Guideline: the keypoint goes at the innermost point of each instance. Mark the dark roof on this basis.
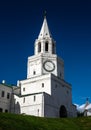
(7, 85)
(28, 94)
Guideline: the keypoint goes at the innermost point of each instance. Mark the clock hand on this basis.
(48, 66)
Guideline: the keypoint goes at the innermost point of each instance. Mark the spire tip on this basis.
(45, 14)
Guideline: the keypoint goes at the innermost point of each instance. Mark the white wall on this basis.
(29, 105)
(34, 85)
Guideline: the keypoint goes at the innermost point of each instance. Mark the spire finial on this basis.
(45, 14)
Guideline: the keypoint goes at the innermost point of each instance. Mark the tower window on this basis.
(34, 72)
(24, 100)
(67, 92)
(53, 48)
(42, 85)
(60, 74)
(23, 89)
(46, 46)
(34, 98)
(56, 86)
(39, 47)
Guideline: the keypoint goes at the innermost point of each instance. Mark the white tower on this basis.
(45, 92)
(45, 59)
(45, 43)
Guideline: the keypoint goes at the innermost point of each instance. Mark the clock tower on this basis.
(44, 92)
(45, 59)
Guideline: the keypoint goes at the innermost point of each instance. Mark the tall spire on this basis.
(44, 43)
(44, 32)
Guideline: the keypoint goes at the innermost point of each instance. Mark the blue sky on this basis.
(70, 25)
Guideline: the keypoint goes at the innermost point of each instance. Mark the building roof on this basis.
(7, 85)
(44, 32)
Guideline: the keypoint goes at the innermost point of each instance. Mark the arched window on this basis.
(46, 46)
(39, 47)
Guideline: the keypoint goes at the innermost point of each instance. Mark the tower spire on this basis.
(44, 43)
(44, 32)
(45, 14)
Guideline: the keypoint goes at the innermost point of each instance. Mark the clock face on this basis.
(49, 65)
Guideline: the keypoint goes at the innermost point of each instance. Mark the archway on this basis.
(63, 111)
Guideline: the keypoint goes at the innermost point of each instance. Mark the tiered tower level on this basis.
(45, 59)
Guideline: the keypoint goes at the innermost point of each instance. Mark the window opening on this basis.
(6, 110)
(53, 50)
(46, 46)
(8, 95)
(34, 72)
(24, 100)
(34, 98)
(56, 86)
(39, 47)
(1, 110)
(3, 93)
(42, 84)
(23, 89)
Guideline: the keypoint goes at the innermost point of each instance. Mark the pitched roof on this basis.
(44, 32)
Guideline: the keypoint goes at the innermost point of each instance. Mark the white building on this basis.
(44, 93)
(85, 109)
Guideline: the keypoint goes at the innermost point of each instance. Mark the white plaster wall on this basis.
(30, 106)
(35, 85)
(34, 64)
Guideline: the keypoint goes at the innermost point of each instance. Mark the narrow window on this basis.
(1, 110)
(38, 112)
(39, 47)
(8, 95)
(56, 86)
(34, 72)
(3, 93)
(53, 48)
(67, 92)
(24, 100)
(34, 98)
(42, 85)
(46, 46)
(23, 89)
(6, 111)
(60, 74)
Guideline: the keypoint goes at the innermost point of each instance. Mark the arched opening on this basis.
(39, 47)
(63, 111)
(46, 46)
